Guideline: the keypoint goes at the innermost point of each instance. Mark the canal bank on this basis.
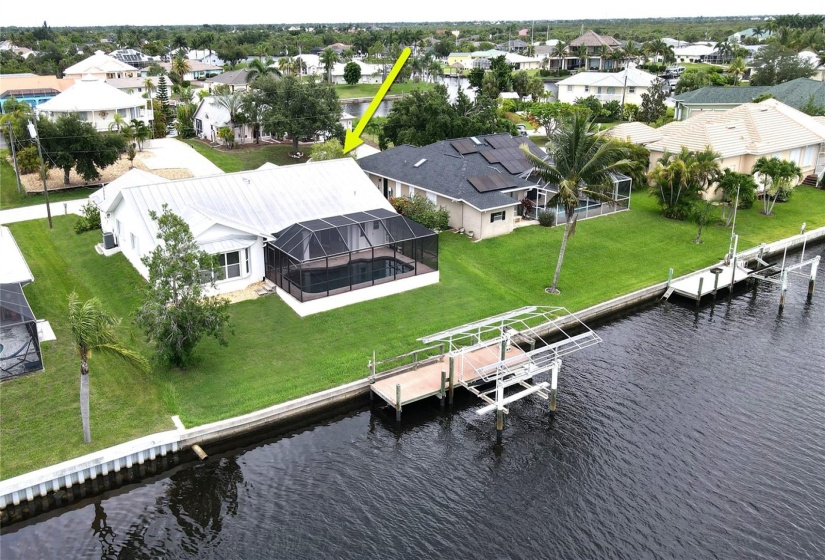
(84, 470)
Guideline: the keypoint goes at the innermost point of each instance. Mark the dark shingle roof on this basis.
(795, 93)
(446, 171)
(235, 77)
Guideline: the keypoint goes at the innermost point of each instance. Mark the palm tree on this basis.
(736, 69)
(328, 58)
(118, 122)
(179, 68)
(140, 132)
(777, 175)
(580, 165)
(94, 330)
(149, 84)
(559, 51)
(232, 102)
(258, 69)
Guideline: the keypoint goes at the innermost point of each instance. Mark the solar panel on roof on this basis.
(501, 141)
(515, 166)
(492, 156)
(495, 182)
(464, 147)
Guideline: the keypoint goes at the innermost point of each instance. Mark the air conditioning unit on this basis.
(109, 240)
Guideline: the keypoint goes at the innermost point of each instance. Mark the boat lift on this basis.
(486, 358)
(779, 273)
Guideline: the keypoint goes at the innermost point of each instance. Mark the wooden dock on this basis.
(434, 379)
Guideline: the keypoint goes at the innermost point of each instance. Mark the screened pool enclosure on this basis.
(328, 256)
(19, 343)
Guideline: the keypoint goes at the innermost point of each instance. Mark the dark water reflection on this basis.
(687, 434)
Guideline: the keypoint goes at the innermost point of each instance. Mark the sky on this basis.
(61, 13)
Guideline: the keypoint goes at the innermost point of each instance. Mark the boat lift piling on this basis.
(780, 274)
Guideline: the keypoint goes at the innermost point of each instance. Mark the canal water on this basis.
(689, 433)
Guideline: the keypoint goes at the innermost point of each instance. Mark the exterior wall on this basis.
(131, 223)
(502, 227)
(461, 58)
(684, 112)
(569, 93)
(101, 122)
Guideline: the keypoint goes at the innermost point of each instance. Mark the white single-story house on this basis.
(211, 116)
(197, 70)
(744, 134)
(314, 230)
(626, 86)
(693, 53)
(480, 180)
(97, 102)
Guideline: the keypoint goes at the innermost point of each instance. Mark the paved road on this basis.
(167, 153)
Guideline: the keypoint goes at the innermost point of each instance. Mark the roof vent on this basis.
(420, 162)
(475, 140)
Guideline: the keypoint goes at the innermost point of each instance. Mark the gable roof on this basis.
(751, 128)
(91, 94)
(107, 196)
(636, 132)
(98, 63)
(795, 93)
(592, 39)
(21, 85)
(260, 202)
(635, 78)
(459, 168)
(234, 77)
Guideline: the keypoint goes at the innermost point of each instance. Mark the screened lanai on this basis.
(328, 256)
(19, 343)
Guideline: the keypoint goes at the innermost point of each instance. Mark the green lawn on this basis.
(250, 156)
(274, 355)
(11, 198)
(356, 91)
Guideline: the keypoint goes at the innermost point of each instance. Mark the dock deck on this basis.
(426, 380)
(703, 283)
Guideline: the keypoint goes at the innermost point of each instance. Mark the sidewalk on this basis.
(39, 211)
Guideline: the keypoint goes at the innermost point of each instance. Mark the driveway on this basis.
(170, 153)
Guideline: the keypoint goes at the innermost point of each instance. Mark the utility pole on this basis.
(33, 133)
(14, 159)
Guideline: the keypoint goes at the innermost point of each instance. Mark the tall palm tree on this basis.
(149, 84)
(736, 69)
(179, 68)
(559, 51)
(233, 103)
(94, 330)
(328, 58)
(259, 69)
(580, 165)
(118, 122)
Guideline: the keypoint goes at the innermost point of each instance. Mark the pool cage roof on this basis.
(338, 235)
(15, 308)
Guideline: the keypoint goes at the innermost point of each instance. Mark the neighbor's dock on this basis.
(705, 282)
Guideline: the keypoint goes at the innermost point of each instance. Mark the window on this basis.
(497, 217)
(611, 91)
(569, 88)
(631, 89)
(229, 265)
(795, 153)
(83, 115)
(412, 191)
(432, 197)
(135, 243)
(599, 90)
(810, 156)
(586, 89)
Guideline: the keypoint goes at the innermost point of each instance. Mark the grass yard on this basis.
(274, 355)
(358, 91)
(11, 198)
(250, 156)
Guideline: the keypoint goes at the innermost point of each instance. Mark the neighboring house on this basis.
(480, 180)
(235, 79)
(132, 57)
(197, 70)
(795, 93)
(813, 59)
(101, 66)
(514, 45)
(626, 86)
(481, 59)
(744, 134)
(693, 53)
(597, 47)
(749, 33)
(19, 330)
(132, 86)
(97, 102)
(32, 89)
(315, 230)
(370, 73)
(206, 56)
(210, 117)
(636, 132)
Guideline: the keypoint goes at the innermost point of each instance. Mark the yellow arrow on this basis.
(353, 139)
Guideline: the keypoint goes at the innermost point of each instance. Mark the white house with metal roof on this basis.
(240, 217)
(97, 102)
(626, 86)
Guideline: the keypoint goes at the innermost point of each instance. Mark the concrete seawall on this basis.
(40, 483)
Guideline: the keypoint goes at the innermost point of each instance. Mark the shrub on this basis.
(89, 220)
(544, 72)
(420, 209)
(27, 160)
(547, 219)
